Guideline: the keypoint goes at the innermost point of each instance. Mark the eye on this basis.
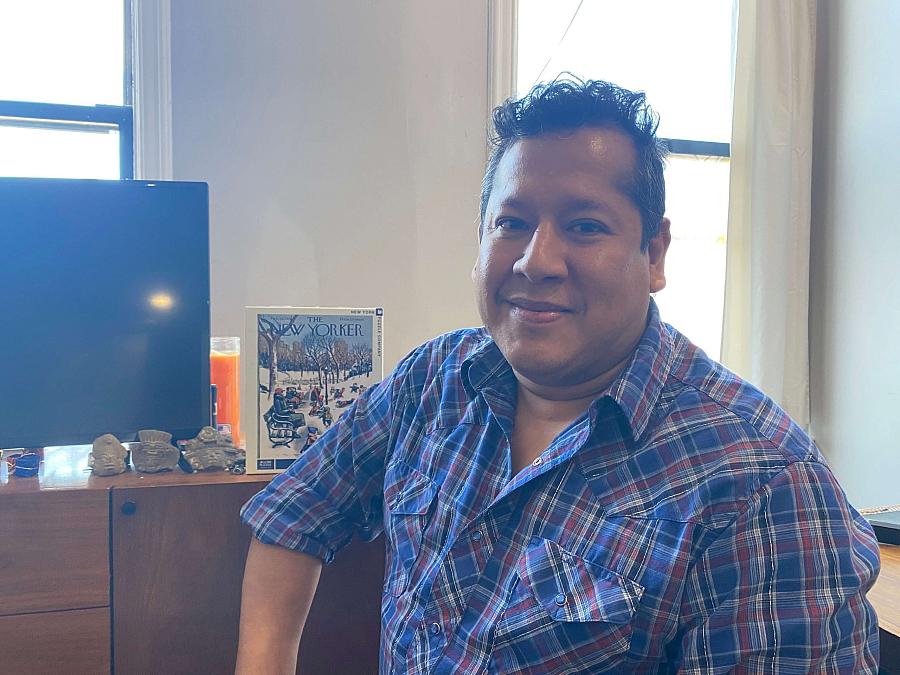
(511, 225)
(588, 227)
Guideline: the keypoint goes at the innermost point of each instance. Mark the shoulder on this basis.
(438, 360)
(702, 389)
(721, 439)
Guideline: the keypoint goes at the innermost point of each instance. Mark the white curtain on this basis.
(765, 324)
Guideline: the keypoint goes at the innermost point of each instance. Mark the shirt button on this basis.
(435, 629)
(537, 462)
(560, 599)
(476, 535)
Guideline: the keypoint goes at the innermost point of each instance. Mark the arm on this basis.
(782, 588)
(272, 616)
(305, 515)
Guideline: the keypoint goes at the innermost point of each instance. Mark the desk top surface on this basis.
(885, 594)
(66, 468)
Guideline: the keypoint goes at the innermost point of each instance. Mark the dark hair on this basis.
(570, 103)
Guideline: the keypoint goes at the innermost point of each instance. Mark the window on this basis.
(680, 54)
(65, 89)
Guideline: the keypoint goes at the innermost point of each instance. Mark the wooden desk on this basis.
(885, 594)
(885, 597)
(141, 573)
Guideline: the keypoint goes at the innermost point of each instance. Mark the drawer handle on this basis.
(129, 508)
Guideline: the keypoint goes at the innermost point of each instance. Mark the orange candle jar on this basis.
(224, 372)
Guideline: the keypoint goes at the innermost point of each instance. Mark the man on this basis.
(574, 488)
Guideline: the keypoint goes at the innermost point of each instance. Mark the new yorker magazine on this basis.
(303, 368)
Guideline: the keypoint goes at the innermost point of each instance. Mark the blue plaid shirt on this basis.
(683, 524)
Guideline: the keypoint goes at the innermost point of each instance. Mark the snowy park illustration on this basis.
(311, 368)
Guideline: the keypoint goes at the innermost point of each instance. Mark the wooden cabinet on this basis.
(343, 630)
(178, 557)
(73, 641)
(49, 562)
(142, 574)
(54, 583)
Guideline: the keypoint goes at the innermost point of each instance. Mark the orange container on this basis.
(224, 372)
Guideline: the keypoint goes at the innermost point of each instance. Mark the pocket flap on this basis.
(412, 495)
(570, 588)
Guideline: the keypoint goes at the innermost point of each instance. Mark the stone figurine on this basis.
(107, 456)
(210, 450)
(235, 458)
(154, 452)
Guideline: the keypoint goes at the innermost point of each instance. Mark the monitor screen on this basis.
(104, 294)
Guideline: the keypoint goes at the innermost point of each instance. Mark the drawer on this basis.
(54, 551)
(76, 641)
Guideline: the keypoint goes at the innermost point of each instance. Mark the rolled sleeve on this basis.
(293, 516)
(782, 589)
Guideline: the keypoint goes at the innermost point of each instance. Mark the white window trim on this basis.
(152, 68)
(502, 51)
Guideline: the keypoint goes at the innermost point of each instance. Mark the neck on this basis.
(563, 402)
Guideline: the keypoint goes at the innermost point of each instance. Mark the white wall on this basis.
(855, 284)
(343, 144)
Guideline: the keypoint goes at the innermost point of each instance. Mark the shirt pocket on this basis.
(408, 503)
(578, 609)
(570, 588)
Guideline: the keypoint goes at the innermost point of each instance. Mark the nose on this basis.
(544, 256)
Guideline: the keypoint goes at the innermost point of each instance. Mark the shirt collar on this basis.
(484, 365)
(636, 390)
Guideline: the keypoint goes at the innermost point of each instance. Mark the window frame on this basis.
(681, 146)
(96, 118)
(503, 29)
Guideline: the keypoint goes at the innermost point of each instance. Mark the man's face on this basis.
(562, 282)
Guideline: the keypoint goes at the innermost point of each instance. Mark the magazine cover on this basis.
(303, 368)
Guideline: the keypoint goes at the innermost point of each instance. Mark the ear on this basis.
(477, 257)
(656, 252)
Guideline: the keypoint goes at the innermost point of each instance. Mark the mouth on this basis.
(536, 311)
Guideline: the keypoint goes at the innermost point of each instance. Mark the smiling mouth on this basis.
(536, 312)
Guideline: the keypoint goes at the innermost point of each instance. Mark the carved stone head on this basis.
(154, 452)
(209, 450)
(107, 456)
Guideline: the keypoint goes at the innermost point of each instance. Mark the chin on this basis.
(540, 367)
(543, 376)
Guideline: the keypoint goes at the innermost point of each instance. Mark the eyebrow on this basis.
(588, 205)
(513, 203)
(571, 205)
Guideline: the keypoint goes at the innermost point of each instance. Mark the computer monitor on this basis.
(104, 299)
